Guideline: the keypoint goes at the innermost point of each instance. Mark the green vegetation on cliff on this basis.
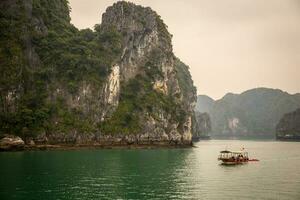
(138, 97)
(56, 78)
(39, 51)
(185, 79)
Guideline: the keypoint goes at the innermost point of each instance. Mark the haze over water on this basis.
(192, 173)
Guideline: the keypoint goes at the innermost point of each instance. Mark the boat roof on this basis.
(236, 152)
(225, 151)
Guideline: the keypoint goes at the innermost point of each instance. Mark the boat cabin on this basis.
(233, 157)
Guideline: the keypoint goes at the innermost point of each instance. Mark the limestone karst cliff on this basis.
(117, 84)
(288, 128)
(202, 124)
(254, 112)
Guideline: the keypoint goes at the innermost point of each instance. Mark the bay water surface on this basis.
(191, 173)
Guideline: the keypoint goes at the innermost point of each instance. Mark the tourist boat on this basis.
(234, 157)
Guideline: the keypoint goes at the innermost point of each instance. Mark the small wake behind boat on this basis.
(234, 157)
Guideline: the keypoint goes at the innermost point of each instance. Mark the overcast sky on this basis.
(230, 45)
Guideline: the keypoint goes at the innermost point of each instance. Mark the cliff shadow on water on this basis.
(128, 174)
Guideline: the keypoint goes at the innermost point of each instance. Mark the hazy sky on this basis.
(230, 45)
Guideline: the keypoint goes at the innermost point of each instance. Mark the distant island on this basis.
(288, 128)
(119, 84)
(253, 113)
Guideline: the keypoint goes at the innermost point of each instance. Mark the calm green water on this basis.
(153, 174)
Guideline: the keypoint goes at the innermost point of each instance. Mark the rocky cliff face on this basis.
(149, 68)
(289, 125)
(118, 84)
(202, 124)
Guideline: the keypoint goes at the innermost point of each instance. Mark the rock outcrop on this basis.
(117, 84)
(202, 125)
(288, 127)
(11, 142)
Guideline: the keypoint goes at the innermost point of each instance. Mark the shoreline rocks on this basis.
(102, 146)
(11, 143)
(91, 141)
(105, 139)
